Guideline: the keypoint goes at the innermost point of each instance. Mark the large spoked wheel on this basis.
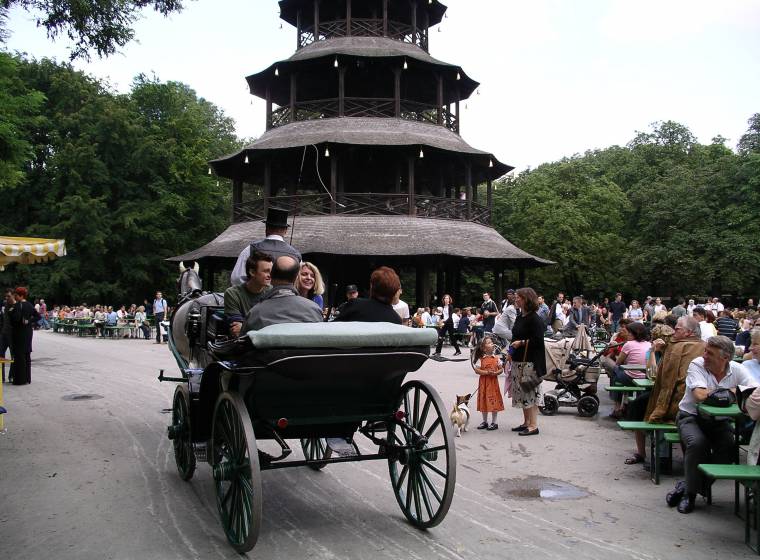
(423, 471)
(180, 433)
(316, 450)
(235, 467)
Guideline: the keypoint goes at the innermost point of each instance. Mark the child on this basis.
(489, 394)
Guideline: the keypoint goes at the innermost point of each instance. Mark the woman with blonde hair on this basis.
(309, 283)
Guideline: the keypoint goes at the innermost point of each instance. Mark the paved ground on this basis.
(96, 479)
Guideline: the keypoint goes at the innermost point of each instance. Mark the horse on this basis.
(186, 321)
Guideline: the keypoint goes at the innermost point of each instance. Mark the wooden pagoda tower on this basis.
(363, 148)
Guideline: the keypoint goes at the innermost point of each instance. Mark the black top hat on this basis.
(351, 288)
(277, 217)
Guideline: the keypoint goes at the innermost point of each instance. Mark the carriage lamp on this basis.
(282, 423)
(399, 415)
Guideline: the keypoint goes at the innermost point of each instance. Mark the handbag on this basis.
(527, 376)
(721, 398)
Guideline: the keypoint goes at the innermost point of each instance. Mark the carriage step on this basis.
(200, 452)
(341, 447)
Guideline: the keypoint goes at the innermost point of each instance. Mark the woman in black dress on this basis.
(528, 331)
(21, 338)
(447, 326)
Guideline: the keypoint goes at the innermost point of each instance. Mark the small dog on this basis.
(460, 414)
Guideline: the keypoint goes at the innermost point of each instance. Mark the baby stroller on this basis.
(573, 366)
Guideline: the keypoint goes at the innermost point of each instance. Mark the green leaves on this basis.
(121, 177)
(665, 215)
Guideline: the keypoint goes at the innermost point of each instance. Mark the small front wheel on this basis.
(551, 405)
(181, 435)
(422, 456)
(316, 450)
(587, 406)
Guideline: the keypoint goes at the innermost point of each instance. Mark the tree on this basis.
(103, 26)
(123, 178)
(750, 141)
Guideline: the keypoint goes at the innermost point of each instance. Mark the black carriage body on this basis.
(319, 392)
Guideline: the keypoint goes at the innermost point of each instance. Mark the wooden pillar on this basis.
(412, 206)
(414, 22)
(441, 186)
(342, 91)
(316, 20)
(457, 295)
(348, 18)
(237, 198)
(468, 186)
(293, 86)
(333, 180)
(521, 277)
(397, 92)
(474, 191)
(438, 284)
(489, 200)
(456, 108)
(421, 283)
(498, 282)
(385, 18)
(450, 273)
(439, 101)
(299, 29)
(269, 108)
(426, 25)
(267, 183)
(398, 177)
(211, 271)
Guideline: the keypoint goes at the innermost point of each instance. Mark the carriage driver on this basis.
(238, 300)
(273, 244)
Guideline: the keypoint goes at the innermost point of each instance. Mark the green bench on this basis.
(656, 434)
(749, 477)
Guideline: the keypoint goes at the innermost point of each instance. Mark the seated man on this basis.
(282, 304)
(239, 300)
(706, 439)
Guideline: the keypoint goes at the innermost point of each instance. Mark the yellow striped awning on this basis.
(30, 250)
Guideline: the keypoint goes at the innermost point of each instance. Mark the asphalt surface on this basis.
(96, 479)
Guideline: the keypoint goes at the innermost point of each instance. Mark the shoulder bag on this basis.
(526, 373)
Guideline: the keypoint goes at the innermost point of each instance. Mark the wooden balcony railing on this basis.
(364, 27)
(363, 107)
(365, 204)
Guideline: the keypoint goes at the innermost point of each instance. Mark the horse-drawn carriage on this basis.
(321, 384)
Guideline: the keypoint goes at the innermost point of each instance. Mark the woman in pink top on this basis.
(634, 352)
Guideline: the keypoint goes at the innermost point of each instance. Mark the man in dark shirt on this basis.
(239, 300)
(617, 309)
(489, 312)
(726, 325)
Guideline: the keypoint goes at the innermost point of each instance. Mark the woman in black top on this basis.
(21, 338)
(528, 346)
(384, 284)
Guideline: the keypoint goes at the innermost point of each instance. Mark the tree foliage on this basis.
(664, 215)
(123, 178)
(103, 26)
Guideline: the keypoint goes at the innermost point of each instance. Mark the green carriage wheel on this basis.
(316, 449)
(424, 476)
(181, 435)
(236, 472)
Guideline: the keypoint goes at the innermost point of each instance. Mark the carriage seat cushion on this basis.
(341, 335)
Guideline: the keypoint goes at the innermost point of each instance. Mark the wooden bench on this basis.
(749, 477)
(656, 432)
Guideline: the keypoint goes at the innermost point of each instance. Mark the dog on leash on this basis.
(460, 414)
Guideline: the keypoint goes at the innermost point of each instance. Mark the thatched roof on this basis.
(362, 131)
(397, 11)
(390, 236)
(320, 56)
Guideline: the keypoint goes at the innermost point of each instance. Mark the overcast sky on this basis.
(557, 77)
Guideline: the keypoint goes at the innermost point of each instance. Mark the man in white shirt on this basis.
(505, 321)
(707, 439)
(273, 245)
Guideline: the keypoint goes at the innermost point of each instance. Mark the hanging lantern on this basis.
(276, 71)
(209, 171)
(422, 154)
(246, 159)
(459, 76)
(327, 151)
(336, 62)
(405, 65)
(490, 163)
